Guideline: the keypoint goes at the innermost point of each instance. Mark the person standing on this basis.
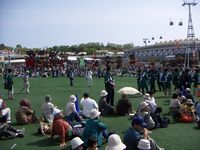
(9, 84)
(109, 86)
(71, 76)
(143, 81)
(89, 77)
(26, 84)
(196, 82)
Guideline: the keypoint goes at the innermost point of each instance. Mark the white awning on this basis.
(16, 61)
(72, 58)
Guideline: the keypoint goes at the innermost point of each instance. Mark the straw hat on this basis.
(76, 142)
(143, 105)
(94, 113)
(72, 98)
(115, 143)
(103, 93)
(56, 111)
(144, 144)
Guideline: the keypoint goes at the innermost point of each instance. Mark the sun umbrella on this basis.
(128, 91)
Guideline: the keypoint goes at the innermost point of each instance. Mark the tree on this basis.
(18, 48)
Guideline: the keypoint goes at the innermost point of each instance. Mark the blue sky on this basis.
(45, 23)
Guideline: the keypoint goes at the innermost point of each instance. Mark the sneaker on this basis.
(20, 135)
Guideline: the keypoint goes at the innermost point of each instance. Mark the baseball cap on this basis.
(138, 119)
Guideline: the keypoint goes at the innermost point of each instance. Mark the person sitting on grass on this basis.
(115, 143)
(188, 95)
(144, 111)
(77, 143)
(4, 111)
(133, 135)
(144, 144)
(148, 97)
(187, 112)
(44, 127)
(104, 107)
(25, 114)
(70, 112)
(7, 131)
(92, 144)
(88, 104)
(174, 106)
(60, 127)
(94, 128)
(47, 109)
(124, 106)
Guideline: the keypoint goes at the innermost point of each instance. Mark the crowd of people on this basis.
(84, 128)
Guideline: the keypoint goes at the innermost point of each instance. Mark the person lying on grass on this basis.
(60, 127)
(8, 132)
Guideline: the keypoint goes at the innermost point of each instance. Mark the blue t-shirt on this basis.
(131, 139)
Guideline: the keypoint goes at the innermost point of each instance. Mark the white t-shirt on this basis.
(152, 104)
(89, 74)
(88, 104)
(47, 110)
(70, 107)
(1, 102)
(175, 103)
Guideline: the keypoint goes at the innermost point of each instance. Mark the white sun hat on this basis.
(94, 113)
(72, 98)
(144, 144)
(76, 142)
(103, 93)
(56, 111)
(115, 143)
(143, 105)
(147, 96)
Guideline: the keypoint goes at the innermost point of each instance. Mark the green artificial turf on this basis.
(178, 136)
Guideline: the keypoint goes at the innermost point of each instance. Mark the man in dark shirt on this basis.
(136, 132)
(109, 87)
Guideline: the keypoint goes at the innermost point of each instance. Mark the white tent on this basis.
(72, 58)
